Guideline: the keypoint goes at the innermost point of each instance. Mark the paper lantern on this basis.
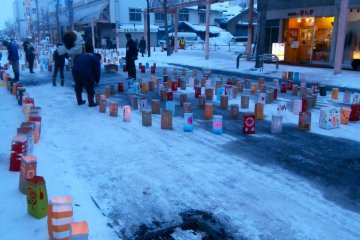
(79, 231)
(103, 103)
(113, 109)
(335, 93)
(315, 87)
(347, 97)
(355, 112)
(228, 90)
(13, 89)
(170, 106)
(18, 150)
(304, 121)
(248, 124)
(289, 85)
(27, 171)
(142, 104)
(188, 122)
(166, 120)
(152, 69)
(183, 98)
(201, 101)
(134, 102)
(112, 89)
(275, 83)
(245, 99)
(29, 133)
(36, 196)
(240, 86)
(126, 113)
(304, 105)
(187, 107)
(60, 217)
(295, 90)
(329, 118)
(183, 85)
(356, 55)
(217, 124)
(253, 88)
(146, 118)
(151, 85)
(219, 92)
(144, 87)
(235, 91)
(21, 94)
(275, 93)
(297, 106)
(284, 75)
(283, 88)
(296, 77)
(174, 86)
(259, 111)
(290, 75)
(345, 115)
(276, 124)
(155, 106)
(163, 94)
(355, 99)
(304, 92)
(169, 83)
(169, 96)
(224, 102)
(197, 91)
(234, 111)
(120, 87)
(247, 83)
(209, 93)
(261, 98)
(269, 97)
(107, 92)
(208, 113)
(322, 89)
(179, 81)
(142, 69)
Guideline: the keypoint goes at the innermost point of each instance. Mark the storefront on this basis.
(352, 39)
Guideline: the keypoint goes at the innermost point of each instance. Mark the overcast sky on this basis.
(6, 12)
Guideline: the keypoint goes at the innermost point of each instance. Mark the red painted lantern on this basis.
(248, 124)
(152, 69)
(304, 106)
(18, 149)
(170, 96)
(283, 88)
(197, 92)
(143, 69)
(179, 83)
(355, 112)
(290, 85)
(275, 93)
(120, 87)
(174, 86)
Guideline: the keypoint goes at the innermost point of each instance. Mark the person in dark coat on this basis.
(86, 74)
(108, 43)
(131, 56)
(59, 61)
(29, 54)
(13, 57)
(142, 46)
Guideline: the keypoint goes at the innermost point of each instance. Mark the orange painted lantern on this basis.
(208, 113)
(345, 115)
(166, 120)
(18, 149)
(155, 106)
(60, 217)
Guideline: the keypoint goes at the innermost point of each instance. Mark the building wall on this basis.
(285, 4)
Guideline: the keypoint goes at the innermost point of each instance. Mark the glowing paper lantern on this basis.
(253, 88)
(295, 90)
(290, 75)
(345, 115)
(103, 103)
(259, 111)
(107, 92)
(245, 99)
(170, 106)
(155, 106)
(188, 122)
(126, 113)
(134, 102)
(356, 98)
(18, 149)
(209, 93)
(113, 109)
(166, 120)
(247, 83)
(27, 171)
(217, 124)
(79, 231)
(36, 196)
(208, 113)
(146, 118)
(329, 118)
(284, 75)
(335, 93)
(297, 106)
(347, 97)
(234, 111)
(163, 94)
(29, 133)
(142, 104)
(269, 97)
(60, 217)
(235, 91)
(248, 124)
(275, 83)
(276, 124)
(261, 98)
(144, 87)
(224, 102)
(304, 121)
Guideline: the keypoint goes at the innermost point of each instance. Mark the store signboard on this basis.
(278, 49)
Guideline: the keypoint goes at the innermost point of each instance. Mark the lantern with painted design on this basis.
(60, 216)
(126, 113)
(103, 103)
(209, 93)
(295, 90)
(304, 121)
(155, 106)
(107, 92)
(187, 107)
(290, 75)
(169, 96)
(253, 88)
(113, 109)
(219, 92)
(36, 196)
(146, 118)
(234, 111)
(247, 83)
(347, 97)
(142, 104)
(208, 113)
(183, 98)
(166, 120)
(217, 124)
(315, 87)
(188, 122)
(284, 75)
(18, 150)
(259, 111)
(261, 98)
(27, 171)
(297, 106)
(120, 87)
(79, 231)
(197, 91)
(163, 94)
(245, 99)
(224, 102)
(201, 101)
(329, 118)
(248, 124)
(345, 115)
(355, 112)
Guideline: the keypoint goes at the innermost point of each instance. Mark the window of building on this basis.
(184, 15)
(135, 14)
(202, 17)
(159, 17)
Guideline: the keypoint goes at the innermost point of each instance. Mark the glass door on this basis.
(306, 44)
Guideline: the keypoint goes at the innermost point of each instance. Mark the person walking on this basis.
(30, 56)
(86, 74)
(131, 56)
(13, 58)
(59, 61)
(142, 46)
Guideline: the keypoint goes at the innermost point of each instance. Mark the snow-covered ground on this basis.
(139, 175)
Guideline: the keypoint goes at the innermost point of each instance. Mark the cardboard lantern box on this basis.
(284, 75)
(169, 83)
(201, 101)
(304, 105)
(356, 98)
(248, 124)
(355, 112)
(107, 92)
(219, 92)
(187, 107)
(283, 88)
(18, 149)
(315, 88)
(197, 91)
(135, 102)
(29, 133)
(240, 86)
(60, 217)
(269, 97)
(296, 77)
(259, 111)
(209, 93)
(183, 85)
(163, 94)
(217, 124)
(103, 103)
(120, 87)
(245, 99)
(275, 83)
(224, 102)
(166, 120)
(142, 104)
(329, 118)
(295, 90)
(27, 171)
(174, 86)
(179, 82)
(253, 88)
(290, 75)
(155, 106)
(208, 113)
(276, 124)
(113, 109)
(36, 196)
(126, 113)
(170, 106)
(183, 98)
(345, 115)
(261, 98)
(228, 90)
(304, 121)
(188, 122)
(144, 87)
(235, 91)
(335, 94)
(112, 89)
(79, 231)
(247, 83)
(169, 96)
(234, 111)
(152, 85)
(297, 106)
(347, 97)
(191, 82)
(275, 93)
(146, 118)
(152, 69)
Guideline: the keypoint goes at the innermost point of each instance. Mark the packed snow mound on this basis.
(223, 38)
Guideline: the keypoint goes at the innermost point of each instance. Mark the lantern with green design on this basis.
(36, 195)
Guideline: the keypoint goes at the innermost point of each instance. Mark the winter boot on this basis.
(91, 101)
(62, 82)
(54, 82)
(79, 99)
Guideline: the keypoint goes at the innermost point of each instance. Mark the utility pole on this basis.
(38, 20)
(58, 21)
(71, 14)
(262, 7)
(251, 29)
(148, 28)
